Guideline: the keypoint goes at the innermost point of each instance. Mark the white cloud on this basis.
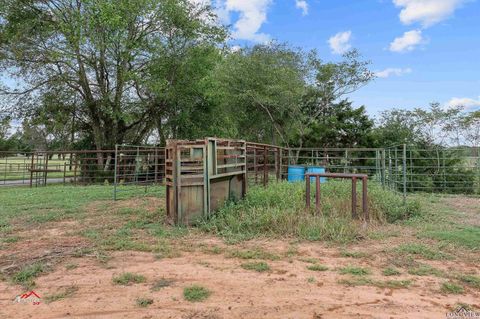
(466, 102)
(407, 41)
(427, 12)
(392, 72)
(253, 14)
(302, 5)
(340, 42)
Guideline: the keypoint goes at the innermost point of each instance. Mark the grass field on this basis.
(265, 256)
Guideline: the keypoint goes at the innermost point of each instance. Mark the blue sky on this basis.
(423, 50)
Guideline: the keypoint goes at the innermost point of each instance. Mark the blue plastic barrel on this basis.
(317, 169)
(296, 173)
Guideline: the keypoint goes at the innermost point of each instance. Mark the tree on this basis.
(98, 53)
(340, 125)
(262, 87)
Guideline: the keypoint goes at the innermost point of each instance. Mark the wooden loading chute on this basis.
(202, 175)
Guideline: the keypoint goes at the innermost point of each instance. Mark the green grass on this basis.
(144, 302)
(317, 267)
(62, 294)
(128, 278)
(353, 254)
(196, 293)
(279, 211)
(256, 266)
(470, 280)
(355, 271)
(393, 284)
(26, 276)
(452, 288)
(463, 236)
(422, 251)
(390, 271)
(57, 202)
(359, 281)
(365, 281)
(426, 270)
(256, 253)
(309, 260)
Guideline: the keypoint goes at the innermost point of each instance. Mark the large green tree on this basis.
(95, 56)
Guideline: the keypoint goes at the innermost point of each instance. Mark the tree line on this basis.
(94, 73)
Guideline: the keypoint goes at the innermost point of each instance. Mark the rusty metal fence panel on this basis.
(139, 166)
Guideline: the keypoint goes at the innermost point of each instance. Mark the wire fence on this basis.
(435, 170)
(401, 168)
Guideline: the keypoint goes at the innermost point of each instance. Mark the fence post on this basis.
(307, 191)
(265, 167)
(383, 168)
(115, 175)
(404, 173)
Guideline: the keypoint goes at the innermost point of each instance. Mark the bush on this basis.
(279, 210)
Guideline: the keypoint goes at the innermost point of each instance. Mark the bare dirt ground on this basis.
(287, 290)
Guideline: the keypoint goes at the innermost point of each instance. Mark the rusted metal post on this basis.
(255, 168)
(317, 193)
(365, 198)
(31, 169)
(45, 169)
(155, 164)
(307, 191)
(265, 167)
(354, 197)
(75, 171)
(64, 171)
(277, 164)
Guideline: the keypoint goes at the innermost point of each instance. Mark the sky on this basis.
(422, 51)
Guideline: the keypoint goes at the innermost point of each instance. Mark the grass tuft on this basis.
(256, 253)
(355, 271)
(26, 276)
(422, 251)
(426, 270)
(257, 266)
(317, 267)
(196, 293)
(470, 280)
(390, 271)
(65, 293)
(144, 302)
(452, 288)
(353, 254)
(128, 278)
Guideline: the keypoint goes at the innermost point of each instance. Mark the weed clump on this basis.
(196, 293)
